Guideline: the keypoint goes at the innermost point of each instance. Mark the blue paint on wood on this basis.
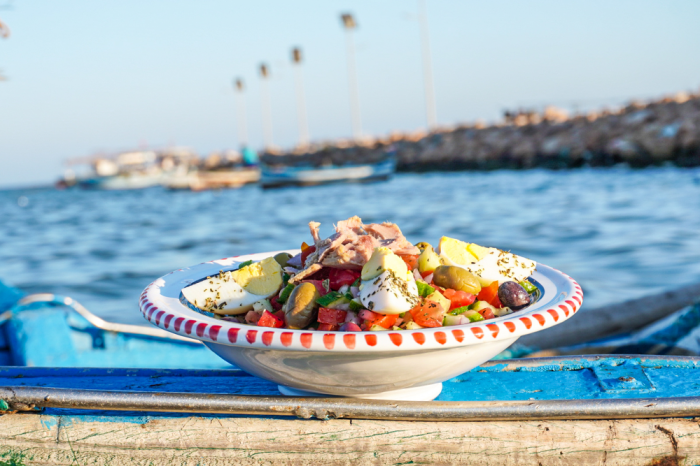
(627, 376)
(40, 337)
(582, 380)
(9, 295)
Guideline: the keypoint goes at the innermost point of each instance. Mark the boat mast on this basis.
(266, 106)
(350, 25)
(242, 124)
(431, 113)
(301, 104)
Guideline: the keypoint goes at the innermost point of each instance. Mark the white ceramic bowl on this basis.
(406, 364)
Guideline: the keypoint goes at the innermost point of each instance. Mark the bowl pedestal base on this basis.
(422, 393)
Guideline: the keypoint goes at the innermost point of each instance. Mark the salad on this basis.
(369, 277)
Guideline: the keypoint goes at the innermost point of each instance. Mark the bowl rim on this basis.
(160, 305)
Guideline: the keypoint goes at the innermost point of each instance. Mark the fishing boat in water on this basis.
(61, 377)
(316, 168)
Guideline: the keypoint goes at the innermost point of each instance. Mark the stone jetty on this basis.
(641, 134)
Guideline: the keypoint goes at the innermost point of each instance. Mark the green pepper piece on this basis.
(529, 286)
(424, 289)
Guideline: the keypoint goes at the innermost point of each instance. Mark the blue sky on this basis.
(107, 76)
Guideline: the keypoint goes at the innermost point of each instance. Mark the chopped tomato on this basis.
(488, 294)
(331, 316)
(426, 273)
(269, 320)
(280, 315)
(411, 260)
(428, 314)
(458, 298)
(327, 327)
(373, 318)
(439, 288)
(275, 305)
(306, 252)
(487, 313)
(319, 286)
(340, 277)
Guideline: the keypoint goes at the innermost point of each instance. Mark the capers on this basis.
(282, 258)
(457, 278)
(513, 295)
(300, 308)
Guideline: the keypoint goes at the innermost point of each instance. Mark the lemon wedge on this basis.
(456, 252)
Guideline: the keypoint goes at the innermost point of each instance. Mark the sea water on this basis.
(620, 233)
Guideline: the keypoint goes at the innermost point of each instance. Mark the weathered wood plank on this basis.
(46, 439)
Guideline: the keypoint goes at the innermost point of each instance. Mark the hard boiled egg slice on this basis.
(390, 293)
(234, 292)
(501, 266)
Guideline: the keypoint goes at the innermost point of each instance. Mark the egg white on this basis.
(225, 295)
(502, 266)
(389, 294)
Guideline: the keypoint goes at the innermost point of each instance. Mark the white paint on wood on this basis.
(44, 439)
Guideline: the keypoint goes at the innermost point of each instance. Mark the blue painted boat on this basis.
(46, 330)
(274, 175)
(81, 408)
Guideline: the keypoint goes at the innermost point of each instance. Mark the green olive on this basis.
(422, 245)
(300, 308)
(457, 278)
(282, 258)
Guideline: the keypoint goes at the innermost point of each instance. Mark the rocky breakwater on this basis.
(640, 134)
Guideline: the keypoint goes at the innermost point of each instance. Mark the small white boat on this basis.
(278, 175)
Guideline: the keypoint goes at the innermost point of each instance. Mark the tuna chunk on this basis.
(352, 244)
(390, 236)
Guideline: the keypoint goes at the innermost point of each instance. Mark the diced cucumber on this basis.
(483, 305)
(377, 328)
(459, 310)
(356, 283)
(396, 328)
(440, 299)
(529, 286)
(349, 296)
(451, 320)
(412, 326)
(332, 299)
(284, 295)
(504, 311)
(424, 289)
(356, 305)
(262, 305)
(474, 316)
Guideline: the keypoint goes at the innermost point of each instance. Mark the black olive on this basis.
(513, 295)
